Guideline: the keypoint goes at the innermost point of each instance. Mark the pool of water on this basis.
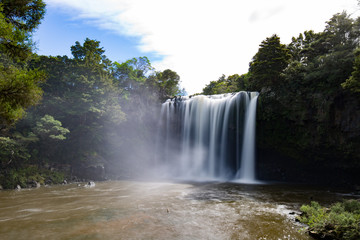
(158, 210)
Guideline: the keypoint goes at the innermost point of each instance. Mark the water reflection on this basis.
(146, 210)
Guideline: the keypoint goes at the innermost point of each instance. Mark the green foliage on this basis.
(340, 221)
(131, 74)
(90, 53)
(353, 82)
(82, 94)
(24, 14)
(19, 87)
(28, 174)
(86, 101)
(12, 151)
(48, 128)
(307, 116)
(21, 18)
(233, 83)
(268, 63)
(164, 84)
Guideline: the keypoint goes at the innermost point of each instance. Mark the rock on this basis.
(48, 181)
(33, 184)
(90, 184)
(18, 187)
(1, 187)
(64, 182)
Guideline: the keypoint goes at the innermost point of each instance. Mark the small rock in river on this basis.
(90, 184)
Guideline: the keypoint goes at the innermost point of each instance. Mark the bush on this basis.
(340, 221)
(26, 175)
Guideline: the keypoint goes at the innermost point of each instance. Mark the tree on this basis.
(22, 17)
(24, 14)
(12, 152)
(90, 53)
(131, 74)
(47, 128)
(19, 87)
(81, 93)
(233, 83)
(353, 82)
(166, 84)
(268, 63)
(49, 132)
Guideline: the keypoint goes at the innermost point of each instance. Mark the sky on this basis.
(199, 39)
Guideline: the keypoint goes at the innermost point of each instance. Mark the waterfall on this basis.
(209, 137)
(247, 170)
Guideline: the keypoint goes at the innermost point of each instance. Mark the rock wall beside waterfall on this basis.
(313, 138)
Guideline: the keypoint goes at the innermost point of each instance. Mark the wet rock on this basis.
(90, 184)
(18, 187)
(48, 181)
(33, 184)
(64, 182)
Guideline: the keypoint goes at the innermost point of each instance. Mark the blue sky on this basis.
(199, 39)
(59, 31)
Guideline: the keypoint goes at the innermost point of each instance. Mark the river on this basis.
(157, 210)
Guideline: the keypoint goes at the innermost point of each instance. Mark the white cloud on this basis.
(203, 39)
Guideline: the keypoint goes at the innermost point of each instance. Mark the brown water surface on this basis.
(156, 210)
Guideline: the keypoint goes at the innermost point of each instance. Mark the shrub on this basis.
(340, 221)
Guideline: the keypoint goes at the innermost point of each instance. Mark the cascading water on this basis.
(209, 137)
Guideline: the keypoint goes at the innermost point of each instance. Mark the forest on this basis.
(87, 117)
(64, 117)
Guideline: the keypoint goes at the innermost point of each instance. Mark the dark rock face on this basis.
(307, 142)
(93, 172)
(90, 167)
